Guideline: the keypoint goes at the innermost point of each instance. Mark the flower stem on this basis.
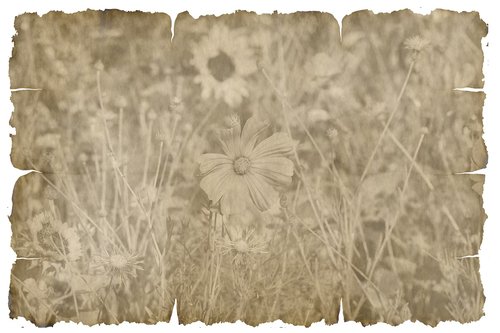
(108, 289)
(387, 124)
(387, 237)
(121, 175)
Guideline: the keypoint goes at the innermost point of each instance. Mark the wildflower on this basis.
(99, 66)
(166, 125)
(223, 59)
(232, 121)
(247, 244)
(55, 238)
(70, 240)
(121, 102)
(416, 43)
(322, 71)
(247, 171)
(175, 103)
(161, 136)
(36, 294)
(119, 265)
(332, 134)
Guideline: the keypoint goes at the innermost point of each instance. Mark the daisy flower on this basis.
(119, 265)
(247, 243)
(54, 238)
(245, 248)
(247, 171)
(223, 59)
(416, 43)
(70, 246)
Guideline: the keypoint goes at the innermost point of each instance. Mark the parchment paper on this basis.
(336, 179)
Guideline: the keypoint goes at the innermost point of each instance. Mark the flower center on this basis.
(241, 165)
(241, 246)
(118, 261)
(221, 66)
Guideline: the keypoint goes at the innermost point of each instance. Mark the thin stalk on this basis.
(157, 172)
(187, 139)
(414, 164)
(108, 289)
(380, 250)
(78, 208)
(301, 174)
(282, 275)
(148, 155)
(122, 176)
(340, 255)
(331, 170)
(34, 294)
(73, 294)
(388, 123)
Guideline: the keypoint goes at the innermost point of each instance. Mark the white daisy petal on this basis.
(223, 59)
(208, 162)
(278, 171)
(262, 194)
(216, 183)
(276, 145)
(251, 131)
(247, 173)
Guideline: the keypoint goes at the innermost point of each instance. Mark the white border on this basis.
(491, 246)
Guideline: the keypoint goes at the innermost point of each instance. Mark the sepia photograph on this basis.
(248, 167)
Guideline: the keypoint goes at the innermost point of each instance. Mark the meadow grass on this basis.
(116, 228)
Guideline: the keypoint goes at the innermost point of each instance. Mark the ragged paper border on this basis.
(490, 270)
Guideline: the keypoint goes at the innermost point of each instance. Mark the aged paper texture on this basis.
(250, 167)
